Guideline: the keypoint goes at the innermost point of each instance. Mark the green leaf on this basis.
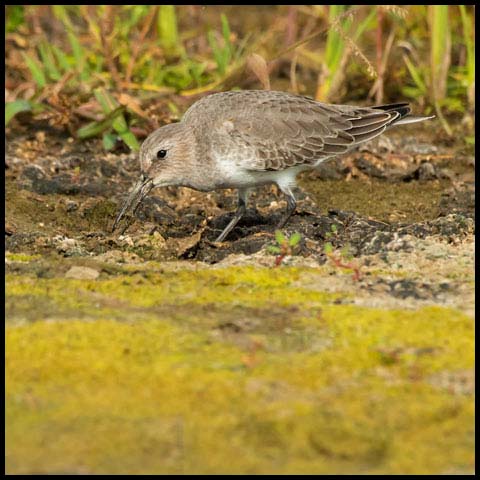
(109, 141)
(109, 104)
(440, 50)
(14, 17)
(48, 61)
(78, 54)
(333, 228)
(62, 58)
(279, 237)
(295, 239)
(416, 75)
(17, 106)
(130, 139)
(226, 37)
(60, 11)
(96, 128)
(328, 248)
(273, 249)
(469, 41)
(36, 71)
(366, 23)
(217, 53)
(168, 29)
(411, 92)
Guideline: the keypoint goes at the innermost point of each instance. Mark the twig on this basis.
(351, 266)
(139, 42)
(379, 92)
(106, 27)
(293, 73)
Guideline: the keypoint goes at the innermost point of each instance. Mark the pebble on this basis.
(82, 273)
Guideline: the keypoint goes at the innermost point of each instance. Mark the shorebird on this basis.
(244, 139)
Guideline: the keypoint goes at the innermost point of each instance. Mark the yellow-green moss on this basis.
(233, 286)
(387, 201)
(236, 370)
(21, 257)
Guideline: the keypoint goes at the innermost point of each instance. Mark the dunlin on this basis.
(244, 139)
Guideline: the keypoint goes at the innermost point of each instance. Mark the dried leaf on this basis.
(258, 66)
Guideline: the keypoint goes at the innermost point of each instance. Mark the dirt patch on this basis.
(58, 187)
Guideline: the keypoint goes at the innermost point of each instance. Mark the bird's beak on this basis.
(139, 192)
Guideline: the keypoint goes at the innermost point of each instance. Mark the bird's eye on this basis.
(161, 154)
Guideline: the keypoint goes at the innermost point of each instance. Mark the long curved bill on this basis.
(139, 192)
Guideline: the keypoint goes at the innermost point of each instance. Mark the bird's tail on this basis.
(403, 109)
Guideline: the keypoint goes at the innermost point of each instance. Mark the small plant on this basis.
(285, 246)
(17, 106)
(114, 119)
(340, 45)
(168, 30)
(222, 54)
(341, 258)
(468, 80)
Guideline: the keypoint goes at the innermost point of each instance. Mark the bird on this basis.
(245, 139)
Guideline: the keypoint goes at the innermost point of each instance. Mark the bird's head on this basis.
(166, 158)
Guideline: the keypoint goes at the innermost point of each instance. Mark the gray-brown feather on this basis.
(286, 130)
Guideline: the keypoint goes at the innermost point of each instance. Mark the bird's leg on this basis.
(291, 205)
(241, 209)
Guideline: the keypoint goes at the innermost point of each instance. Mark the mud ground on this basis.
(389, 199)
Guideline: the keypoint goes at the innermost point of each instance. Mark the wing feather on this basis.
(281, 130)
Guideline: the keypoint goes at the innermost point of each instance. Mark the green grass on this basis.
(144, 49)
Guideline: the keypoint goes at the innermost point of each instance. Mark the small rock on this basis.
(71, 206)
(82, 273)
(118, 256)
(426, 171)
(126, 240)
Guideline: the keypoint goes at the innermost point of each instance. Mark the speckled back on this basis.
(277, 130)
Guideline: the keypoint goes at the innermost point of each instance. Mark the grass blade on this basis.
(439, 50)
(62, 58)
(416, 75)
(109, 104)
(168, 29)
(36, 71)
(17, 106)
(48, 61)
(334, 52)
(440, 58)
(94, 129)
(78, 54)
(109, 140)
(217, 52)
(470, 46)
(228, 49)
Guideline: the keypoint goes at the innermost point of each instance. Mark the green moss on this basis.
(21, 257)
(385, 201)
(236, 370)
(239, 285)
(100, 213)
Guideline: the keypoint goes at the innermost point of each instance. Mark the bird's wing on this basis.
(290, 131)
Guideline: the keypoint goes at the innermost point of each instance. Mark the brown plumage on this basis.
(242, 139)
(288, 130)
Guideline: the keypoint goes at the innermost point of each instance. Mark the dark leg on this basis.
(241, 209)
(291, 205)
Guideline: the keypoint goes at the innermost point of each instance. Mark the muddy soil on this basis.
(391, 200)
(62, 197)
